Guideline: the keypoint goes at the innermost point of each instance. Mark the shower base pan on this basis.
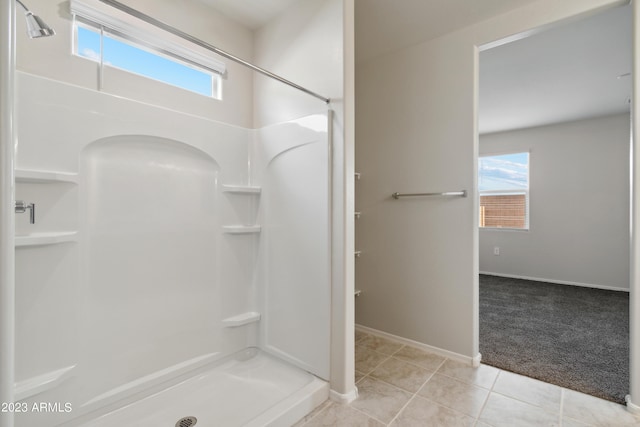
(251, 389)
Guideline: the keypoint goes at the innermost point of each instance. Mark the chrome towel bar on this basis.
(462, 193)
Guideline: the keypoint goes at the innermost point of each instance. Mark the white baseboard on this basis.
(476, 360)
(344, 398)
(559, 282)
(634, 409)
(473, 361)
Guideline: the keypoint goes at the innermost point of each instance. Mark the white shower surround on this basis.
(112, 309)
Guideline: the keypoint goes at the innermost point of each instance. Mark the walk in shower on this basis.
(178, 271)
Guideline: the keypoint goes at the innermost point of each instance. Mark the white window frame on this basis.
(509, 192)
(122, 27)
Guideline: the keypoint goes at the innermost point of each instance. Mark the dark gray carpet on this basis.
(574, 337)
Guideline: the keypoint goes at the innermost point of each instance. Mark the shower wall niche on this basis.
(163, 244)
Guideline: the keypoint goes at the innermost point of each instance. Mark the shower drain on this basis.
(187, 422)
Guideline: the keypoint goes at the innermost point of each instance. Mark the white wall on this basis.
(579, 204)
(303, 45)
(416, 131)
(309, 45)
(52, 57)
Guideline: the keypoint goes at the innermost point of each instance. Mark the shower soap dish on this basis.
(241, 319)
(242, 229)
(241, 189)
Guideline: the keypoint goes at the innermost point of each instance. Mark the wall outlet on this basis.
(496, 250)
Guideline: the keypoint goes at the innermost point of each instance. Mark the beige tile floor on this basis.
(403, 386)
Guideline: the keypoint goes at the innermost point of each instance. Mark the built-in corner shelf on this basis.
(241, 189)
(242, 229)
(241, 319)
(44, 176)
(50, 238)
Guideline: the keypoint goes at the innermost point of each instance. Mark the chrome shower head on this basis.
(36, 27)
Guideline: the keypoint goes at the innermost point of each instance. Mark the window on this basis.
(116, 52)
(117, 40)
(503, 183)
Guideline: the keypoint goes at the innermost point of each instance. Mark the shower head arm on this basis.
(26, 9)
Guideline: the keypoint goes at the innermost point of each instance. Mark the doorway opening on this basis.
(554, 289)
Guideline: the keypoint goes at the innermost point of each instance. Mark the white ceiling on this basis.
(250, 13)
(566, 73)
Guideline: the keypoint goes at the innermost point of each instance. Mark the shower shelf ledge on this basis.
(41, 383)
(50, 238)
(45, 176)
(242, 229)
(241, 189)
(241, 319)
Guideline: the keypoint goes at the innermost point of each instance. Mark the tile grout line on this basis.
(387, 357)
(475, 418)
(431, 374)
(425, 383)
(400, 388)
(456, 410)
(403, 408)
(402, 346)
(450, 408)
(417, 364)
(379, 364)
(441, 365)
(484, 405)
(528, 402)
(460, 380)
(368, 375)
(367, 415)
(317, 413)
(413, 397)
